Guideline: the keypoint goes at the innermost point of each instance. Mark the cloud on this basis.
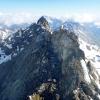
(26, 17)
(16, 18)
(83, 17)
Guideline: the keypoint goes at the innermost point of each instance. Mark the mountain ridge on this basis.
(44, 57)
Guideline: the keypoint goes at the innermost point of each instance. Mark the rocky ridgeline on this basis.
(46, 65)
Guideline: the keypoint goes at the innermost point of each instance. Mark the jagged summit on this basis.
(43, 22)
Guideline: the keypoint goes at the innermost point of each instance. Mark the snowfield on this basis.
(92, 53)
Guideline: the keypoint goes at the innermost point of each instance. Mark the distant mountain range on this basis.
(89, 29)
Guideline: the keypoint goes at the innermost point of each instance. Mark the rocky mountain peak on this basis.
(49, 65)
(43, 22)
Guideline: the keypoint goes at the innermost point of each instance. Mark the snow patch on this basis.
(86, 75)
(5, 59)
(98, 96)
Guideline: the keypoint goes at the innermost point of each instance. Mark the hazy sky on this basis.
(59, 7)
(87, 9)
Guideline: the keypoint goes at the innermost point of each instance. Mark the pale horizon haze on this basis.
(26, 10)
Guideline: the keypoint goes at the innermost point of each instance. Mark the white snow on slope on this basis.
(4, 33)
(86, 75)
(98, 96)
(3, 57)
(92, 53)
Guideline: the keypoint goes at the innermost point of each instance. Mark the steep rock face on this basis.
(33, 66)
(44, 23)
(67, 47)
